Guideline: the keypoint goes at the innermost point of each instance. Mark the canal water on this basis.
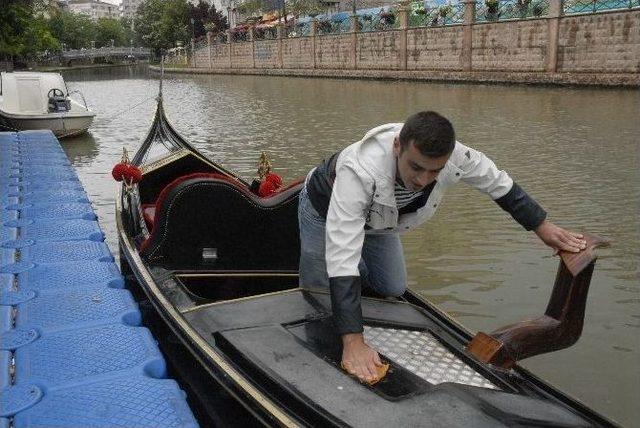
(575, 150)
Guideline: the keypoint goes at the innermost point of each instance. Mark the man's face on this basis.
(414, 169)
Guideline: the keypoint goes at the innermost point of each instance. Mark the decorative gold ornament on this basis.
(264, 166)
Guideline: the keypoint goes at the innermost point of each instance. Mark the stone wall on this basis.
(510, 46)
(379, 50)
(202, 57)
(241, 55)
(334, 51)
(297, 52)
(266, 53)
(437, 48)
(220, 55)
(606, 41)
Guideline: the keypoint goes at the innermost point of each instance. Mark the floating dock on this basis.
(72, 351)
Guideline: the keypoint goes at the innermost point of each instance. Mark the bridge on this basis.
(92, 54)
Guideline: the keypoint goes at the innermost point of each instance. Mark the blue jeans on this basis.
(381, 265)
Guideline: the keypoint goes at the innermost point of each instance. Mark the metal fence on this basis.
(496, 10)
(302, 29)
(448, 14)
(335, 25)
(420, 15)
(378, 22)
(220, 38)
(200, 43)
(590, 6)
(241, 35)
(269, 33)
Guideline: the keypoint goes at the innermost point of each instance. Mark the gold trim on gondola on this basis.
(159, 163)
(241, 299)
(235, 275)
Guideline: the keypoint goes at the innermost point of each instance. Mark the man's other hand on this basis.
(560, 239)
(358, 359)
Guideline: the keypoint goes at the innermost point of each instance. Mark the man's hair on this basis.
(431, 133)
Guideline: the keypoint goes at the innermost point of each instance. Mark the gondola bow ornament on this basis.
(269, 182)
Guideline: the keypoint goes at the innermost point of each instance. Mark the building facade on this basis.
(128, 8)
(95, 9)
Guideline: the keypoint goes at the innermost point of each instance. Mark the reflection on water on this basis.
(81, 149)
(574, 150)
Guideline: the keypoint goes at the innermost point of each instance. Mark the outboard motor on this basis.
(57, 101)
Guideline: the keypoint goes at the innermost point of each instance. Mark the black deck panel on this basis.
(288, 362)
(294, 306)
(281, 308)
(269, 337)
(388, 311)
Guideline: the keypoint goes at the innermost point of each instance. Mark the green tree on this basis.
(108, 29)
(129, 30)
(160, 24)
(75, 30)
(23, 29)
(250, 7)
(206, 18)
(305, 7)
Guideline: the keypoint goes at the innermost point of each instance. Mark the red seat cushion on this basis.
(149, 214)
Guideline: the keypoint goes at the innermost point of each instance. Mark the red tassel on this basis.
(267, 188)
(119, 171)
(274, 179)
(133, 174)
(127, 172)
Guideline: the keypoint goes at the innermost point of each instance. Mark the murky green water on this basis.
(575, 150)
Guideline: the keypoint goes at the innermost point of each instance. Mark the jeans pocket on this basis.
(308, 212)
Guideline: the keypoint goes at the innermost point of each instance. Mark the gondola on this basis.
(217, 266)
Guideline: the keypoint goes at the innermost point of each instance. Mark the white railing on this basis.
(105, 51)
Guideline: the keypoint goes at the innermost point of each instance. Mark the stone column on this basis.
(354, 41)
(193, 53)
(229, 41)
(279, 34)
(209, 36)
(403, 20)
(555, 12)
(253, 47)
(312, 33)
(467, 35)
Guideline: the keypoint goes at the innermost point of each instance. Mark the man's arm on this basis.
(349, 203)
(482, 173)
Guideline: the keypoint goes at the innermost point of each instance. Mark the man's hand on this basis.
(358, 359)
(560, 239)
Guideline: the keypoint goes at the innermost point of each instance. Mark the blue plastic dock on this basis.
(72, 351)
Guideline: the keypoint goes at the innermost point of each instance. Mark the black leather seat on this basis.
(216, 223)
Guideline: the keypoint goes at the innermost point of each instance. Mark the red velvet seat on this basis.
(149, 214)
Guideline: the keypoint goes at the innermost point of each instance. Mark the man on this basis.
(355, 204)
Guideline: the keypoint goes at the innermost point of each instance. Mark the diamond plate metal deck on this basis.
(422, 354)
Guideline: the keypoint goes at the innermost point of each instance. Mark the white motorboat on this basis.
(31, 100)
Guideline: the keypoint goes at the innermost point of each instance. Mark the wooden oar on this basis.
(560, 326)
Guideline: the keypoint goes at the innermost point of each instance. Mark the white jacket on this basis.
(363, 194)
